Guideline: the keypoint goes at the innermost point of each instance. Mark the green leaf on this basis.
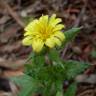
(30, 57)
(59, 87)
(71, 91)
(26, 91)
(54, 55)
(59, 93)
(55, 58)
(71, 34)
(21, 80)
(27, 84)
(73, 68)
(39, 60)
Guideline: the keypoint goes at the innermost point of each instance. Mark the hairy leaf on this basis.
(27, 84)
(73, 68)
(71, 34)
(71, 91)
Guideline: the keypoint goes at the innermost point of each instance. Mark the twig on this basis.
(79, 19)
(65, 50)
(13, 14)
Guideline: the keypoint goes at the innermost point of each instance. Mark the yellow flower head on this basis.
(45, 31)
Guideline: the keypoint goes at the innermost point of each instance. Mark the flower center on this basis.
(45, 33)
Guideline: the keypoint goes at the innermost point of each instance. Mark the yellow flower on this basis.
(45, 31)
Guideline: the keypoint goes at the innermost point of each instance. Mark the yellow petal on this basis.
(60, 35)
(27, 41)
(50, 43)
(31, 26)
(30, 33)
(37, 45)
(42, 24)
(57, 41)
(52, 18)
(58, 27)
(56, 21)
(44, 19)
